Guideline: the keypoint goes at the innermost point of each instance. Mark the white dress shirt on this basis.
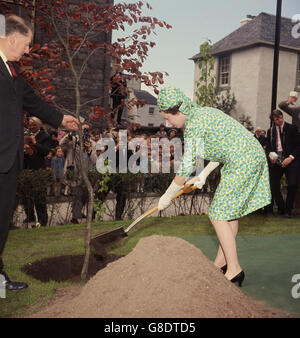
(4, 58)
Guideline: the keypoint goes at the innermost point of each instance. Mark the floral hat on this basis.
(170, 96)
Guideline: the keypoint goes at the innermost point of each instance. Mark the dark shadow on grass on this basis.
(65, 268)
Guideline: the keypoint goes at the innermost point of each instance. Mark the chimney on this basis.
(248, 19)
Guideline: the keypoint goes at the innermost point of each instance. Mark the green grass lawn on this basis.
(27, 246)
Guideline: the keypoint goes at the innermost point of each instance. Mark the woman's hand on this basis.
(198, 181)
(166, 198)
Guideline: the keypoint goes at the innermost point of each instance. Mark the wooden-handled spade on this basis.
(102, 240)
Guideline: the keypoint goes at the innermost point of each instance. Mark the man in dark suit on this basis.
(123, 155)
(34, 159)
(118, 94)
(17, 95)
(283, 151)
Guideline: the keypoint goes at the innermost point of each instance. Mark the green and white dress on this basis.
(211, 134)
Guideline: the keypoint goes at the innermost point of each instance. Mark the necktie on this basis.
(279, 139)
(14, 74)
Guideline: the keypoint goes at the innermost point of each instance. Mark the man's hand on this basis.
(33, 140)
(70, 122)
(286, 162)
(28, 150)
(291, 100)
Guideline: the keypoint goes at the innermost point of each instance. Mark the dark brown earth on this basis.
(162, 277)
(65, 268)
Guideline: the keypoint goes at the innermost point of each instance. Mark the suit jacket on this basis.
(16, 96)
(261, 139)
(290, 140)
(41, 149)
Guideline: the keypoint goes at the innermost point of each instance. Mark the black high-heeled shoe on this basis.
(239, 278)
(224, 268)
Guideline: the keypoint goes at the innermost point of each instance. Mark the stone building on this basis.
(147, 115)
(244, 65)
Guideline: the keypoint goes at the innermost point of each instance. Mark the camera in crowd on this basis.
(85, 135)
(27, 137)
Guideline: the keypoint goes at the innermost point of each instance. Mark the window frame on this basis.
(152, 112)
(222, 73)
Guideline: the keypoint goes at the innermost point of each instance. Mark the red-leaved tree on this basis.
(73, 32)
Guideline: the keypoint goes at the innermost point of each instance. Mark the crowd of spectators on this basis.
(281, 143)
(58, 152)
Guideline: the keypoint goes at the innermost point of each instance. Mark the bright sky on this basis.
(195, 21)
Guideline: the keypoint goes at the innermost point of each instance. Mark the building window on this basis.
(224, 71)
(298, 74)
(150, 124)
(151, 110)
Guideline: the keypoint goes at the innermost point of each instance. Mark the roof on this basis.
(260, 30)
(144, 95)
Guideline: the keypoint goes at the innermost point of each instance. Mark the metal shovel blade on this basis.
(110, 236)
(102, 240)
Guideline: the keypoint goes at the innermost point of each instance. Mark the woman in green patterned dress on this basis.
(244, 185)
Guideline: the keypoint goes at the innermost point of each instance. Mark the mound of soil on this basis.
(163, 277)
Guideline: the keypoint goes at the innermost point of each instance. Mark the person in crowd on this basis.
(162, 131)
(48, 159)
(260, 137)
(34, 159)
(283, 152)
(172, 133)
(289, 107)
(110, 131)
(58, 163)
(53, 136)
(16, 96)
(244, 185)
(57, 168)
(118, 94)
(70, 144)
(94, 138)
(122, 156)
(60, 134)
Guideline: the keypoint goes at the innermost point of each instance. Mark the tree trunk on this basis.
(85, 266)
